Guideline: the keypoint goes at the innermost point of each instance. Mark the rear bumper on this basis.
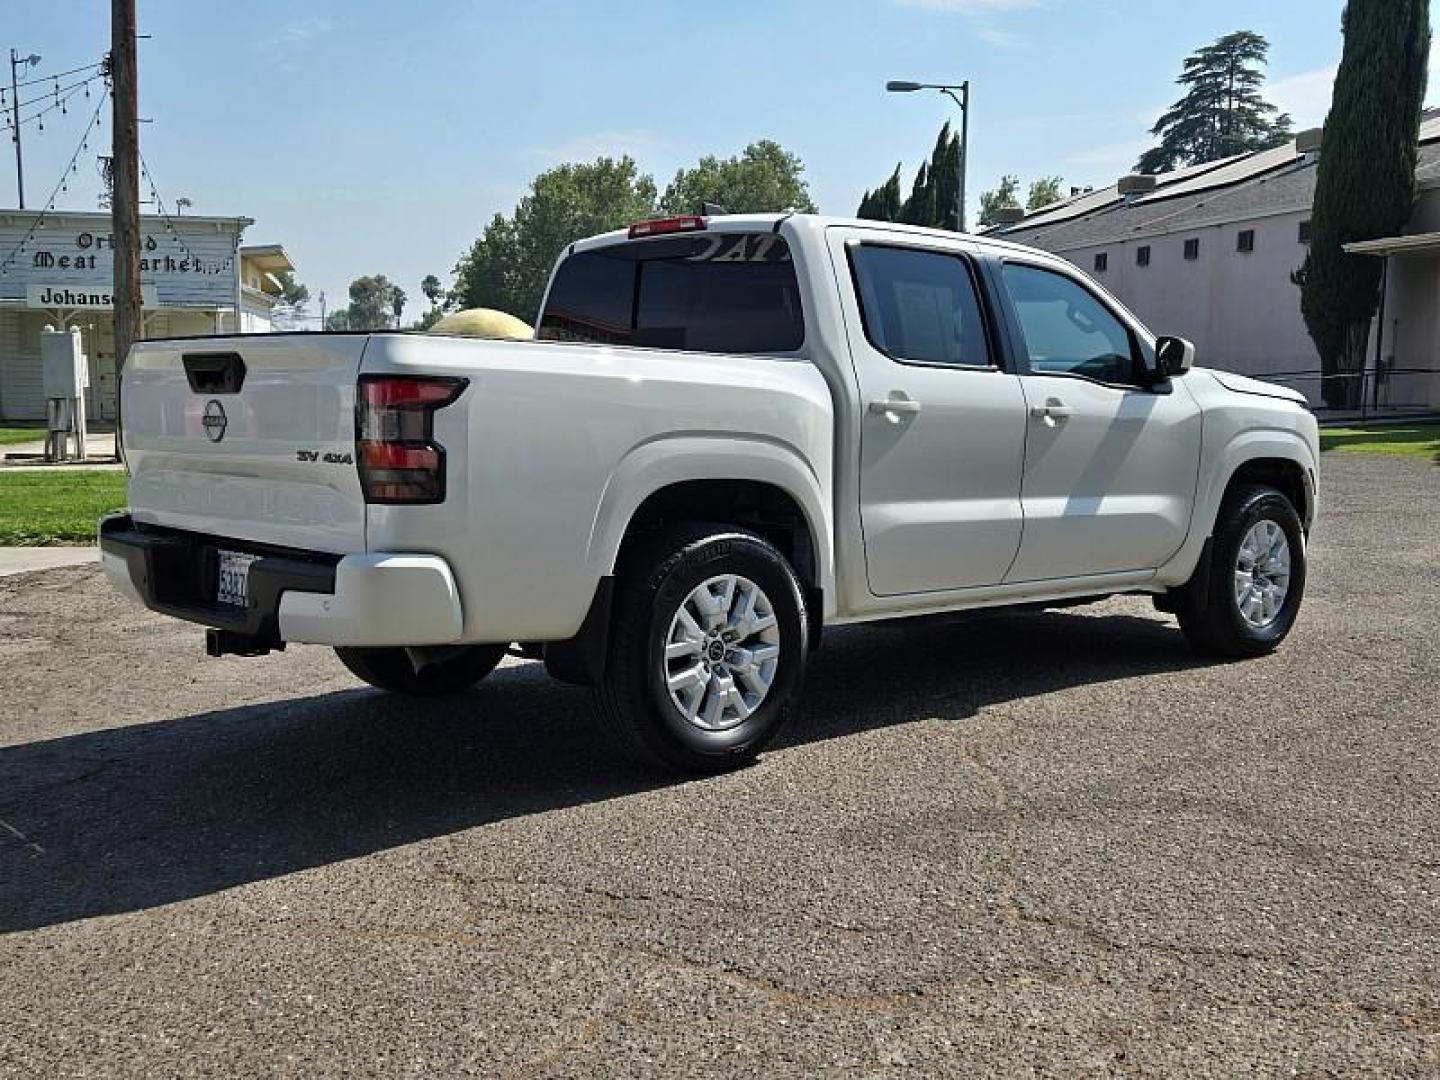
(375, 599)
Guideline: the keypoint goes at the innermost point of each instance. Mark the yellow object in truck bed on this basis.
(483, 323)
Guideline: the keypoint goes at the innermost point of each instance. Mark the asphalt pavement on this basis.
(1010, 844)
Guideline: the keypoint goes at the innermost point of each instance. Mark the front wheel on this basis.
(707, 650)
(392, 669)
(1256, 579)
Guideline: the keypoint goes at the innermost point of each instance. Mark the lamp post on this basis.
(900, 86)
(17, 61)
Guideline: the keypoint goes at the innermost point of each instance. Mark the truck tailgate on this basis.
(251, 438)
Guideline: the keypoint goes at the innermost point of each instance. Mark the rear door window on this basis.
(920, 307)
(712, 292)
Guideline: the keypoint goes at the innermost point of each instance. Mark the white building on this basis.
(1209, 252)
(57, 268)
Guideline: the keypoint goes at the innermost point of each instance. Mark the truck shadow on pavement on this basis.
(129, 818)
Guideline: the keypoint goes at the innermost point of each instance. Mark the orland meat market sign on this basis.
(70, 262)
(92, 249)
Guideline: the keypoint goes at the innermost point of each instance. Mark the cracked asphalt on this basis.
(1011, 844)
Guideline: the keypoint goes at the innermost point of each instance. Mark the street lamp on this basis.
(901, 86)
(16, 62)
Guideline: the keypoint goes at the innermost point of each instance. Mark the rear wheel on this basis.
(1256, 581)
(707, 650)
(394, 670)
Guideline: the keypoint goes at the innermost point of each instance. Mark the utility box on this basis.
(62, 359)
(65, 376)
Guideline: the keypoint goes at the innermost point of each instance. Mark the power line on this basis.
(60, 74)
(56, 91)
(60, 185)
(61, 103)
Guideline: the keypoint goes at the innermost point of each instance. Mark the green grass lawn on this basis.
(1405, 440)
(53, 507)
(13, 436)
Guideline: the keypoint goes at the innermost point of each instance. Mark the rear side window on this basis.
(713, 292)
(920, 306)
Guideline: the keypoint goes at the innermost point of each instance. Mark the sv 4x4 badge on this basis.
(330, 457)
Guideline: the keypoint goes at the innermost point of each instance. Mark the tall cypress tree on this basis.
(1365, 186)
(883, 204)
(919, 208)
(932, 195)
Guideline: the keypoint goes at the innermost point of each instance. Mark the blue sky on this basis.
(376, 137)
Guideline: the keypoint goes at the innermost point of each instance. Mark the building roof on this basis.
(1418, 244)
(1262, 183)
(104, 217)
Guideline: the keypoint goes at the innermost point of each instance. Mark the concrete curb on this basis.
(27, 560)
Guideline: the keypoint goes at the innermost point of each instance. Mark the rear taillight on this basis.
(395, 449)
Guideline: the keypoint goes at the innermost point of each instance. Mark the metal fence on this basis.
(1389, 392)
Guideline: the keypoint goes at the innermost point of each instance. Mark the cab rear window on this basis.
(710, 292)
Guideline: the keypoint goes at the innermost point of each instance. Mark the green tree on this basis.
(508, 265)
(433, 290)
(1043, 192)
(882, 204)
(372, 301)
(1006, 196)
(764, 178)
(338, 320)
(289, 309)
(932, 197)
(398, 300)
(1222, 112)
(428, 318)
(1365, 185)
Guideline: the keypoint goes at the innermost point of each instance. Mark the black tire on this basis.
(1207, 606)
(391, 669)
(633, 700)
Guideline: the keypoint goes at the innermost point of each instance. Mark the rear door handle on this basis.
(896, 406)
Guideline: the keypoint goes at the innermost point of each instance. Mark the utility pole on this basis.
(125, 206)
(322, 309)
(15, 62)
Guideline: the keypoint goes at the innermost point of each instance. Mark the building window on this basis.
(1245, 242)
(1305, 231)
(1102, 263)
(1192, 248)
(1142, 256)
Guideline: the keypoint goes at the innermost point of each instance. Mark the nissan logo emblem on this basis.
(213, 421)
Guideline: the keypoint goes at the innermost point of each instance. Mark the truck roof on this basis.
(768, 222)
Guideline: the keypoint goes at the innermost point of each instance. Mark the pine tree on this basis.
(1365, 184)
(1222, 112)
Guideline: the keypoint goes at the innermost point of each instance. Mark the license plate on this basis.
(233, 585)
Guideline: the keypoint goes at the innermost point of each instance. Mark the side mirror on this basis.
(1174, 356)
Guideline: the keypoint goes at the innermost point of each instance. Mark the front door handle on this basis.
(895, 406)
(1052, 411)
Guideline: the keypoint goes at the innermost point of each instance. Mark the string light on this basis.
(67, 94)
(39, 222)
(175, 237)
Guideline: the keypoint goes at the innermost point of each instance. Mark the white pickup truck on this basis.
(728, 433)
